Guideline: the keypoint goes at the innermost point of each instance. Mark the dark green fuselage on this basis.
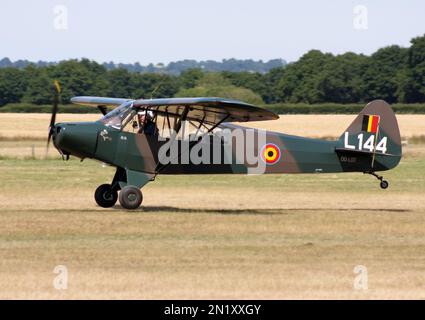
(139, 152)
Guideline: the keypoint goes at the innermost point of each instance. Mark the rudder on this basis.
(372, 141)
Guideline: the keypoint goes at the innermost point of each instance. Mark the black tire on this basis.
(105, 197)
(130, 197)
(384, 184)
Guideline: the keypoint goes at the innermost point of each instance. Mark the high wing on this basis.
(99, 101)
(207, 110)
(102, 103)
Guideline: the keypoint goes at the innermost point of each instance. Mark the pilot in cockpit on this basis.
(146, 123)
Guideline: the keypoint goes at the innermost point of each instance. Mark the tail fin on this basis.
(372, 140)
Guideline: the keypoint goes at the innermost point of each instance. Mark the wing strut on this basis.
(183, 117)
(201, 123)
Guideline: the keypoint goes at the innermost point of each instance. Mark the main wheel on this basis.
(105, 196)
(130, 197)
(384, 184)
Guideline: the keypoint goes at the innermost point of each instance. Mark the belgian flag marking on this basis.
(370, 123)
(271, 153)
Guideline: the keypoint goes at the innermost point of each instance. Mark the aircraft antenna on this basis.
(157, 87)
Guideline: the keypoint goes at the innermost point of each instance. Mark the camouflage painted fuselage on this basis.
(138, 154)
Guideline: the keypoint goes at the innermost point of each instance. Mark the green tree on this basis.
(382, 77)
(271, 79)
(319, 77)
(12, 85)
(39, 88)
(300, 79)
(341, 80)
(153, 85)
(215, 85)
(189, 78)
(413, 79)
(250, 80)
(120, 83)
(80, 78)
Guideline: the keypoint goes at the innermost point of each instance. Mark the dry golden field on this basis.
(24, 135)
(239, 237)
(34, 126)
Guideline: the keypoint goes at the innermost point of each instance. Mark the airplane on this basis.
(133, 136)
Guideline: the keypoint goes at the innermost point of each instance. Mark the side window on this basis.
(189, 129)
(131, 125)
(127, 124)
(141, 122)
(118, 117)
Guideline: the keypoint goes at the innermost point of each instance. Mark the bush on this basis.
(334, 108)
(279, 108)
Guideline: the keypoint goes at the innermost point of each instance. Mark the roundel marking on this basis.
(271, 153)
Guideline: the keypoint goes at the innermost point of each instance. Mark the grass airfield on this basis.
(212, 237)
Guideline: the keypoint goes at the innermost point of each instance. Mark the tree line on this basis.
(172, 68)
(393, 73)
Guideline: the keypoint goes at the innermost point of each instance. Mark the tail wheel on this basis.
(130, 197)
(105, 196)
(384, 184)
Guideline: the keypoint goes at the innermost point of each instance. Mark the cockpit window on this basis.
(120, 116)
(136, 120)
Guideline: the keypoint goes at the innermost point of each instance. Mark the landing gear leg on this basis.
(106, 195)
(129, 183)
(384, 183)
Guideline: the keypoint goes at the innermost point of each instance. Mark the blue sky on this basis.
(165, 30)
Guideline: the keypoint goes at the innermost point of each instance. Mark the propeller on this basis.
(57, 89)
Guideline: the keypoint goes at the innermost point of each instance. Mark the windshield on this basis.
(119, 117)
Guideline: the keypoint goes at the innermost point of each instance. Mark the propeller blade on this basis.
(55, 106)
